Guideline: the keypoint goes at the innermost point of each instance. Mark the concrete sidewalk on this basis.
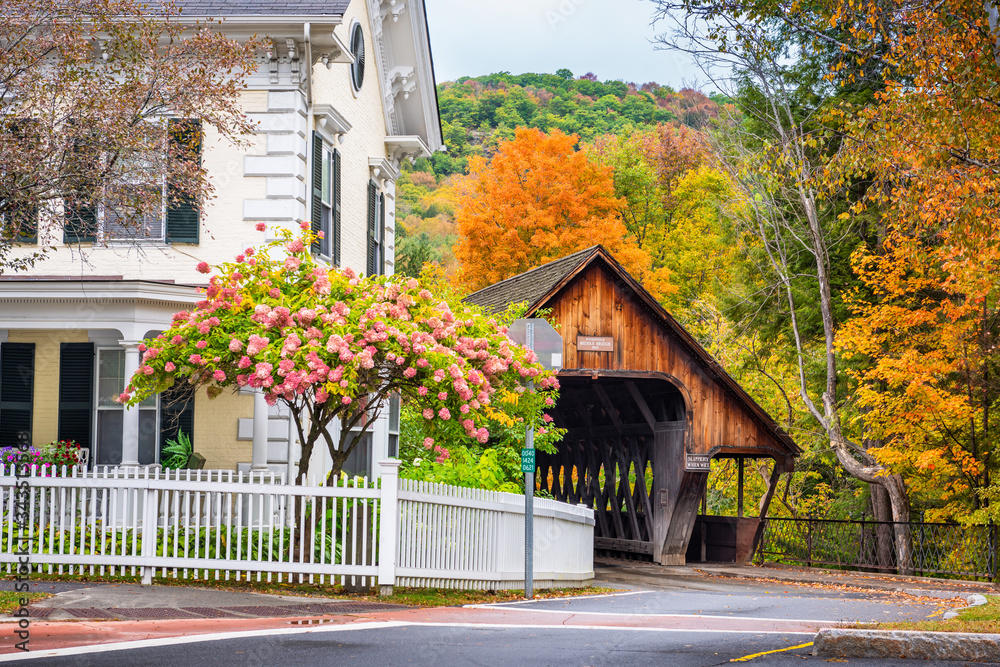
(132, 601)
(618, 572)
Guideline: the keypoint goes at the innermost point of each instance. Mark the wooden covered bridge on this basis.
(639, 394)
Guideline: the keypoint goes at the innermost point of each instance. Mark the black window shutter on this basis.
(79, 203)
(335, 241)
(317, 190)
(381, 234)
(22, 216)
(76, 392)
(176, 414)
(17, 383)
(183, 215)
(80, 219)
(372, 221)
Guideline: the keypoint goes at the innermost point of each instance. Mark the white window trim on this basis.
(95, 454)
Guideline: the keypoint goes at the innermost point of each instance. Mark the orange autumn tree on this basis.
(931, 380)
(926, 338)
(537, 200)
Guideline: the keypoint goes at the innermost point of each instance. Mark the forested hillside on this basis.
(479, 113)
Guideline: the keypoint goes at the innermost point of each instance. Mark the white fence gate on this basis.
(221, 524)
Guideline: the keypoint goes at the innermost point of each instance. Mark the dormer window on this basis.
(358, 51)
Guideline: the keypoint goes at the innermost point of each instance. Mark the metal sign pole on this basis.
(529, 493)
(538, 336)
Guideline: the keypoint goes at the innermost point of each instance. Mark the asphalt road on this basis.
(465, 647)
(781, 601)
(682, 627)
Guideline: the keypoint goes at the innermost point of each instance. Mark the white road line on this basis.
(222, 636)
(623, 628)
(190, 639)
(497, 607)
(568, 597)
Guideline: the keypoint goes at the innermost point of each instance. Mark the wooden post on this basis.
(388, 541)
(739, 501)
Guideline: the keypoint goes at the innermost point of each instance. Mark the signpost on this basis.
(538, 335)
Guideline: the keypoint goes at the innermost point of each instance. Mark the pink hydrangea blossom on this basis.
(410, 372)
(294, 245)
(169, 367)
(422, 391)
(260, 227)
(442, 395)
(443, 413)
(194, 359)
(203, 267)
(201, 345)
(244, 362)
(235, 345)
(219, 375)
(428, 443)
(428, 413)
(346, 400)
(256, 344)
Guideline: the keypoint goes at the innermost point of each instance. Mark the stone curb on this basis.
(906, 644)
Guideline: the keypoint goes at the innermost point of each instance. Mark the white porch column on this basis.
(130, 420)
(260, 416)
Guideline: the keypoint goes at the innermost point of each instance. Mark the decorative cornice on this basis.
(408, 147)
(382, 170)
(332, 50)
(117, 291)
(331, 122)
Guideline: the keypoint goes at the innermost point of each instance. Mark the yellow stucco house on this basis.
(343, 93)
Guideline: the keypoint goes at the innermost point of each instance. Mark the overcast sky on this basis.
(610, 38)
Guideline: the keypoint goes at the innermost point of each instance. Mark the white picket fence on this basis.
(453, 537)
(223, 524)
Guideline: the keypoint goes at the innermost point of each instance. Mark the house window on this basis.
(394, 426)
(376, 230)
(110, 415)
(143, 206)
(358, 51)
(134, 212)
(359, 461)
(326, 200)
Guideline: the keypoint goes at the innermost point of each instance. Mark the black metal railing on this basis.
(935, 548)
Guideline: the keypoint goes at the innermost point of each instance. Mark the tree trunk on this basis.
(884, 538)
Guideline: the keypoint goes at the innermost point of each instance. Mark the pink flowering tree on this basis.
(333, 345)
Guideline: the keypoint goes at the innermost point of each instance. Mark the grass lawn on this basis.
(422, 597)
(11, 601)
(975, 619)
